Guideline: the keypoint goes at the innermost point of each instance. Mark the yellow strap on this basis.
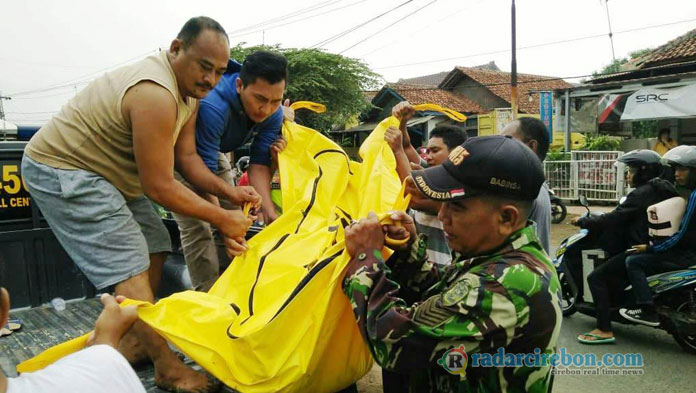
(401, 204)
(312, 106)
(59, 351)
(52, 354)
(452, 114)
(247, 208)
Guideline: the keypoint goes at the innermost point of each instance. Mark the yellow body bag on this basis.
(277, 320)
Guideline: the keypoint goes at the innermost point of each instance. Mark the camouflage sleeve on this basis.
(412, 270)
(474, 311)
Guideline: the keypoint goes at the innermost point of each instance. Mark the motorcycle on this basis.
(674, 292)
(558, 208)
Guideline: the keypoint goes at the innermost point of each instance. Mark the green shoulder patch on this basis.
(457, 292)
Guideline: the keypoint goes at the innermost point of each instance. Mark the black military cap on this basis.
(496, 165)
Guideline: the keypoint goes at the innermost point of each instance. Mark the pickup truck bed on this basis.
(37, 269)
(44, 327)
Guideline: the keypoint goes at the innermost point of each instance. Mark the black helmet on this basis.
(646, 162)
(680, 156)
(243, 164)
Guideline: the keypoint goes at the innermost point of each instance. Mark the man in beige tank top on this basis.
(90, 168)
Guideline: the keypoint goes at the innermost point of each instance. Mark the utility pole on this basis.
(513, 68)
(611, 35)
(2, 116)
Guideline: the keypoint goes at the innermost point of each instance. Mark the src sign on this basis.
(655, 103)
(645, 98)
(15, 202)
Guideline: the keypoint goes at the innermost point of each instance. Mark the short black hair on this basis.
(534, 129)
(452, 136)
(195, 26)
(664, 131)
(524, 206)
(269, 66)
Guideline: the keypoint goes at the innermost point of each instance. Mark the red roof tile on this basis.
(428, 80)
(498, 82)
(680, 49)
(418, 94)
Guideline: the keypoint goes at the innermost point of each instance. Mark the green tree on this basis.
(326, 78)
(615, 66)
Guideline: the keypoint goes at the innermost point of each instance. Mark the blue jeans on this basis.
(639, 266)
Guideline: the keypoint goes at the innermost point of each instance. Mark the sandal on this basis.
(596, 339)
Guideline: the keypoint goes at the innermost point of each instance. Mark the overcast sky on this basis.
(50, 48)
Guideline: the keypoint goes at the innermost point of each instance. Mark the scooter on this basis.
(558, 208)
(674, 292)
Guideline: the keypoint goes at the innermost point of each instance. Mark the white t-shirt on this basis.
(99, 368)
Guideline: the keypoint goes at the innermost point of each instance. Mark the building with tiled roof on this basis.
(417, 94)
(679, 50)
(678, 56)
(491, 89)
(472, 91)
(644, 91)
(427, 80)
(435, 79)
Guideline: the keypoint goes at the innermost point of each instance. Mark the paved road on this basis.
(666, 368)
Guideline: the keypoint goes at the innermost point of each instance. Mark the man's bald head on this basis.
(532, 132)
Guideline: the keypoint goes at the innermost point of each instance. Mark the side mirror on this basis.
(583, 201)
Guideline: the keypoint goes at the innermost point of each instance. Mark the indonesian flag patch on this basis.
(457, 193)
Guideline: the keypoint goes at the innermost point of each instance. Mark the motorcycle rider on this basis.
(677, 252)
(629, 220)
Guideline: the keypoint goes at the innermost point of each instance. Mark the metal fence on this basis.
(589, 173)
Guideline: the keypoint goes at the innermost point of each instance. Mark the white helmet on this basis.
(683, 155)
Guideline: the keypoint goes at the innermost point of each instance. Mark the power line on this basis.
(10, 60)
(60, 87)
(339, 35)
(32, 113)
(45, 96)
(560, 78)
(401, 39)
(299, 20)
(282, 17)
(385, 28)
(535, 45)
(69, 82)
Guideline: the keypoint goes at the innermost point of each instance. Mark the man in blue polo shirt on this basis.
(245, 106)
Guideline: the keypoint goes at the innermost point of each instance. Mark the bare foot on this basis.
(171, 374)
(131, 348)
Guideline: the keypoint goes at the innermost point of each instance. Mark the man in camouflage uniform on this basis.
(502, 292)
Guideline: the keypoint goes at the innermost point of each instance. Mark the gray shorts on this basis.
(108, 238)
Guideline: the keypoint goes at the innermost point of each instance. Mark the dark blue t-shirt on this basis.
(222, 125)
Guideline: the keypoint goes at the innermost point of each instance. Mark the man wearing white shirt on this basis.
(97, 368)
